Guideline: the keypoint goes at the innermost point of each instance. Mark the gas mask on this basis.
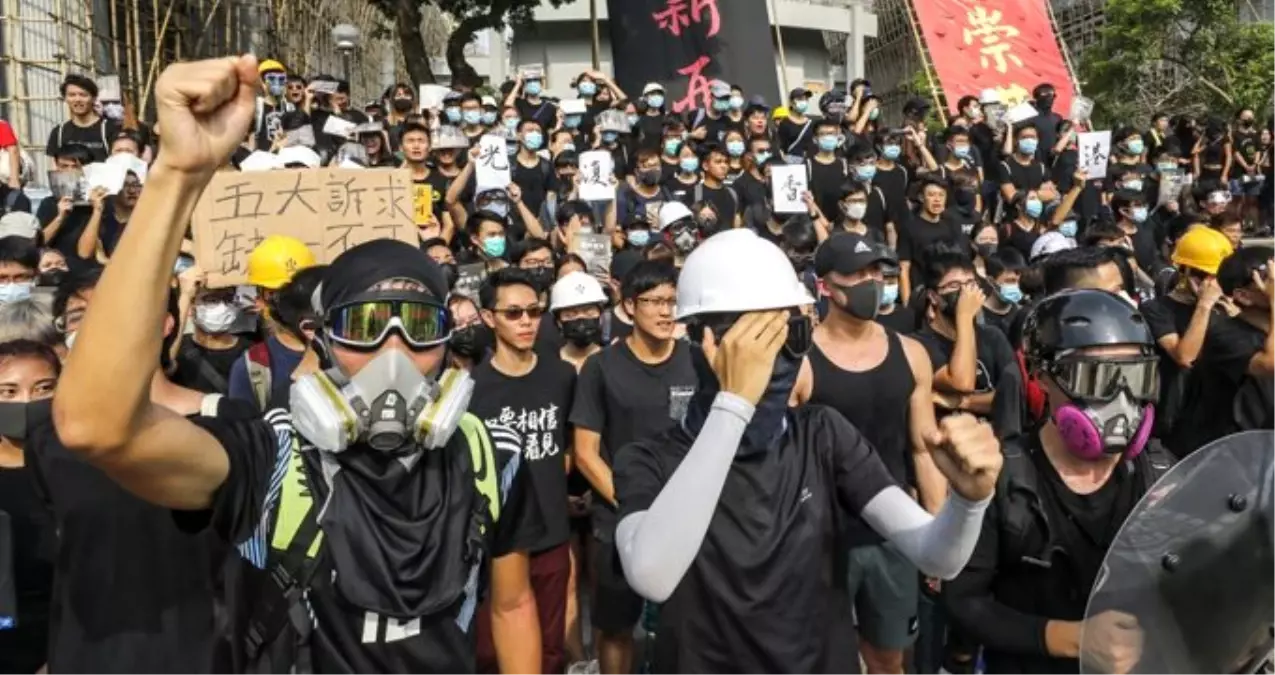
(389, 405)
(683, 237)
(1109, 409)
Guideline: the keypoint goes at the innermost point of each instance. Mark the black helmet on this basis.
(832, 104)
(1076, 319)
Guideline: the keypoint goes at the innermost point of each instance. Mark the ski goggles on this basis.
(367, 324)
(1101, 380)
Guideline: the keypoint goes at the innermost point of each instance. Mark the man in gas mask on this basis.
(411, 505)
(1046, 121)
(744, 580)
(271, 104)
(1064, 493)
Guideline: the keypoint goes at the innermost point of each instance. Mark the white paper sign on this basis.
(787, 185)
(324, 86)
(109, 177)
(596, 176)
(1020, 112)
(432, 96)
(1170, 187)
(573, 106)
(492, 164)
(1095, 151)
(260, 160)
(338, 126)
(131, 163)
(108, 88)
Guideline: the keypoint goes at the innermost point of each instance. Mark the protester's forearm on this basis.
(963, 367)
(938, 545)
(516, 636)
(51, 230)
(87, 242)
(1192, 341)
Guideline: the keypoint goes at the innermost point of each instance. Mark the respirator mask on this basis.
(1111, 409)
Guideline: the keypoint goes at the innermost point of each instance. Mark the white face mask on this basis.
(215, 317)
(854, 210)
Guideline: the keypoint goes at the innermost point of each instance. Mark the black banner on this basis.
(685, 44)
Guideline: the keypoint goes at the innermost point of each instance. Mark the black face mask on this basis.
(18, 419)
(582, 332)
(452, 273)
(649, 177)
(1045, 102)
(964, 198)
(542, 277)
(401, 105)
(467, 342)
(863, 300)
(53, 278)
(985, 251)
(947, 304)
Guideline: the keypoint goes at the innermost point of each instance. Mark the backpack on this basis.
(257, 359)
(101, 126)
(295, 545)
(698, 195)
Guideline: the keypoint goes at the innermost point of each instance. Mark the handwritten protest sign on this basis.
(469, 278)
(328, 209)
(596, 176)
(787, 185)
(1170, 187)
(1095, 150)
(423, 204)
(595, 250)
(431, 96)
(492, 166)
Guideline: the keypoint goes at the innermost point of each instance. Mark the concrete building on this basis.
(560, 39)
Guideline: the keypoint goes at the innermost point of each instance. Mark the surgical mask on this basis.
(1166, 167)
(854, 210)
(582, 332)
(532, 88)
(1135, 185)
(865, 172)
(633, 119)
(889, 294)
(489, 118)
(216, 317)
(453, 114)
(17, 419)
(638, 238)
(735, 148)
(655, 101)
(15, 292)
(609, 137)
(961, 151)
(891, 152)
(511, 123)
(688, 164)
(572, 121)
(1011, 293)
(801, 106)
(401, 105)
(494, 247)
(586, 88)
(1034, 208)
(275, 88)
(1138, 214)
(737, 103)
(649, 177)
(876, 113)
(672, 145)
(471, 117)
(1026, 146)
(1068, 229)
(721, 104)
(862, 300)
(389, 404)
(761, 157)
(828, 143)
(1135, 146)
(533, 140)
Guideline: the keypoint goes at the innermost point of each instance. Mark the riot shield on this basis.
(1188, 585)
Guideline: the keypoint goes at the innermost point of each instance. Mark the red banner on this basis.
(1007, 45)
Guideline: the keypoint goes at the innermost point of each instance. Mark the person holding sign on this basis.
(526, 96)
(1020, 171)
(416, 145)
(359, 590)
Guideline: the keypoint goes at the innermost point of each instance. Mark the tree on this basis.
(1192, 56)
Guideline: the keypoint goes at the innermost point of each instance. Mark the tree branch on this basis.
(463, 73)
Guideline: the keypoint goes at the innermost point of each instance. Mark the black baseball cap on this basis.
(799, 92)
(847, 253)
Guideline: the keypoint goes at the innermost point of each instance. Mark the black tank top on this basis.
(875, 401)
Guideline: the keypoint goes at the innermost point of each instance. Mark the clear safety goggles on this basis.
(368, 324)
(1101, 380)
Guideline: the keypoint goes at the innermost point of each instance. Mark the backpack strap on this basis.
(800, 135)
(697, 194)
(483, 456)
(257, 359)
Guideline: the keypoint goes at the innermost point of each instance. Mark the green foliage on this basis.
(1192, 56)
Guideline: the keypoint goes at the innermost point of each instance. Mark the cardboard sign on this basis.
(423, 205)
(788, 184)
(431, 96)
(595, 250)
(328, 209)
(596, 178)
(470, 278)
(1095, 152)
(492, 164)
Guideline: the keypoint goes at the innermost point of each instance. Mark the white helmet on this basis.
(574, 290)
(671, 212)
(737, 271)
(989, 96)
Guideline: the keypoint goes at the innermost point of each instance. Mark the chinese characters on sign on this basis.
(492, 170)
(788, 186)
(1094, 148)
(329, 209)
(681, 14)
(986, 27)
(596, 179)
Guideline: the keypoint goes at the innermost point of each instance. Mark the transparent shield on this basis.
(1188, 585)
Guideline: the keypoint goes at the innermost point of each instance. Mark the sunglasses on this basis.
(1101, 381)
(368, 324)
(516, 313)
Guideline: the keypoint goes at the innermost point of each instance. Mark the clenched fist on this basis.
(968, 454)
(205, 109)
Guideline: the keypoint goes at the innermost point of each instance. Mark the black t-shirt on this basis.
(33, 539)
(1217, 375)
(625, 400)
(269, 121)
(535, 408)
(825, 184)
(750, 190)
(902, 320)
(439, 184)
(97, 137)
(992, 353)
(725, 199)
(917, 235)
(347, 638)
(1021, 239)
(1245, 143)
(893, 184)
(680, 190)
(534, 181)
(207, 370)
(1023, 177)
(68, 235)
(544, 112)
(794, 139)
(137, 585)
(763, 593)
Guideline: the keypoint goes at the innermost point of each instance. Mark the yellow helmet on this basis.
(1202, 248)
(269, 66)
(273, 262)
(779, 113)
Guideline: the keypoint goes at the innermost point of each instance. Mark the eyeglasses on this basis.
(368, 324)
(67, 323)
(661, 303)
(1102, 380)
(534, 312)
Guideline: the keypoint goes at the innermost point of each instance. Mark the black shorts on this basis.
(616, 608)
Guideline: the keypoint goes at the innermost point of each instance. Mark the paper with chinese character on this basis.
(595, 250)
(337, 126)
(1171, 185)
(432, 95)
(329, 210)
(469, 278)
(788, 184)
(597, 168)
(491, 167)
(1094, 148)
(69, 183)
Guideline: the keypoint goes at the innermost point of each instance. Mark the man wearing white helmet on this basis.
(732, 518)
(577, 301)
(677, 225)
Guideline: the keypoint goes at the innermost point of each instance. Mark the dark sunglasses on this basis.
(516, 313)
(368, 324)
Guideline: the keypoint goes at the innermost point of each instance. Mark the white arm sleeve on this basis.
(938, 545)
(657, 546)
